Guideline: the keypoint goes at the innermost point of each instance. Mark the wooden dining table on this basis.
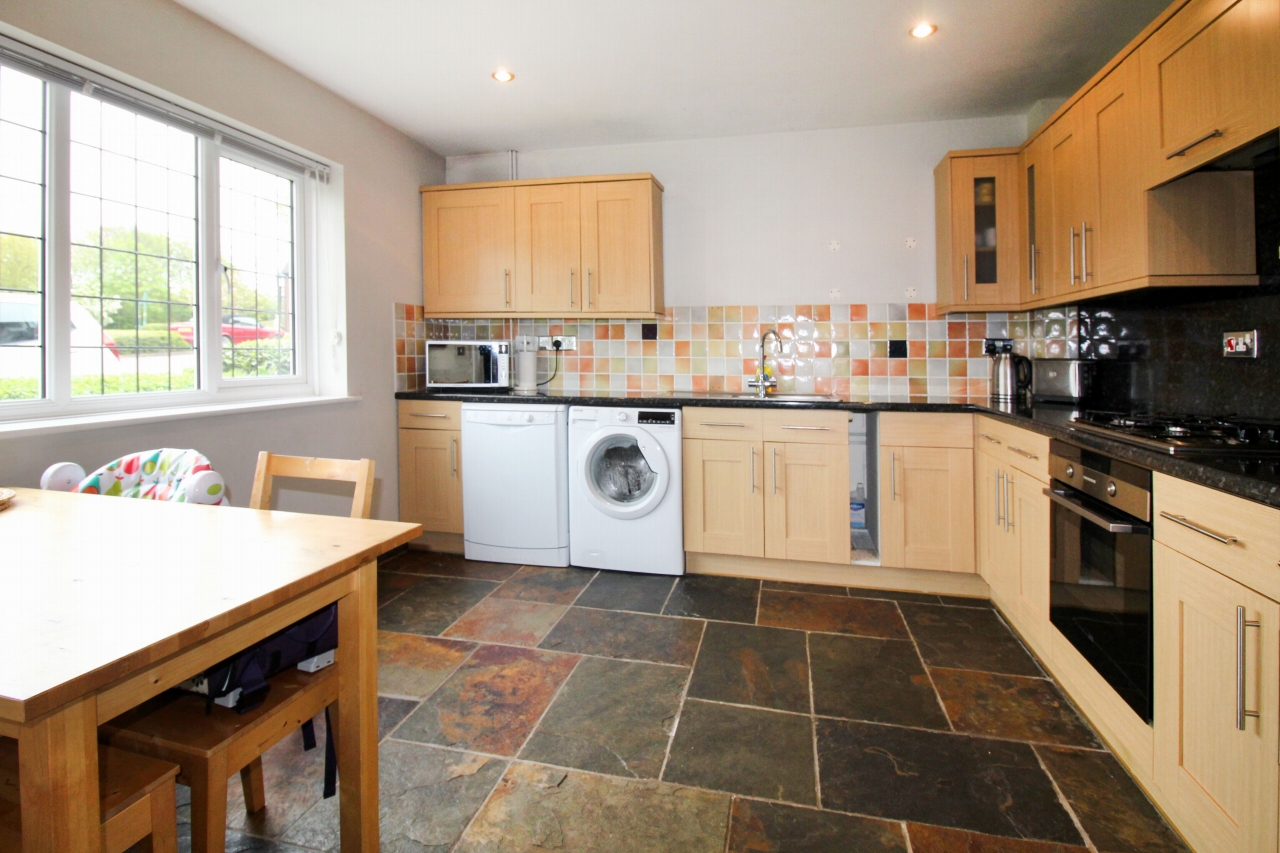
(106, 602)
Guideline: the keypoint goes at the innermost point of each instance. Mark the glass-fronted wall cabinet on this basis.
(979, 250)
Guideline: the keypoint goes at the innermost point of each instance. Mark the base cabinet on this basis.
(1217, 652)
(926, 508)
(431, 479)
(723, 497)
(806, 502)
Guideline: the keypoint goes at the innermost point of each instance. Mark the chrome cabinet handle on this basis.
(506, 287)
(588, 287)
(999, 493)
(775, 470)
(1021, 452)
(1213, 134)
(1008, 504)
(453, 457)
(822, 429)
(893, 475)
(1071, 254)
(753, 469)
(1033, 268)
(426, 415)
(720, 424)
(988, 438)
(1241, 624)
(1084, 252)
(1111, 525)
(1182, 519)
(570, 287)
(966, 277)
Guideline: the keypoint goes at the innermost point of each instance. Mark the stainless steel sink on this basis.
(777, 398)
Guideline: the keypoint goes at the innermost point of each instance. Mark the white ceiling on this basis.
(599, 72)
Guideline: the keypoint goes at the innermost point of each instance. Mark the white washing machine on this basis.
(626, 506)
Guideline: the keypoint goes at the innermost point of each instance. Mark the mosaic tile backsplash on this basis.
(895, 350)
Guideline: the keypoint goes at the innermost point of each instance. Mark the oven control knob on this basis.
(1071, 472)
(622, 416)
(1111, 488)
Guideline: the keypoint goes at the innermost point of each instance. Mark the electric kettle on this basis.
(1010, 373)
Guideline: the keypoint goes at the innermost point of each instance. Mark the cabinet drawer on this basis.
(1202, 517)
(919, 429)
(807, 427)
(726, 423)
(1015, 447)
(430, 414)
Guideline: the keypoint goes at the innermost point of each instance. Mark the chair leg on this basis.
(209, 807)
(255, 791)
(164, 821)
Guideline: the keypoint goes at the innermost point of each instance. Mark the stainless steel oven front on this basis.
(468, 364)
(1100, 566)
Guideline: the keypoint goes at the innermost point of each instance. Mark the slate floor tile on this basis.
(391, 711)
(625, 591)
(611, 717)
(631, 636)
(1112, 808)
(449, 565)
(507, 620)
(546, 584)
(1010, 706)
(238, 842)
(426, 797)
(864, 678)
(294, 782)
(759, 827)
(967, 638)
(862, 616)
(751, 665)
(893, 595)
(711, 597)
(391, 584)
(940, 839)
(748, 751)
(413, 666)
(432, 605)
(536, 808)
(492, 702)
(988, 786)
(812, 588)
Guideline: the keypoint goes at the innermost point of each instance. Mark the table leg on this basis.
(58, 787)
(357, 721)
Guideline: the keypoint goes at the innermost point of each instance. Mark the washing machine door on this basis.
(625, 470)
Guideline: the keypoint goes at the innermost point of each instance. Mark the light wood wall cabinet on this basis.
(926, 491)
(977, 229)
(767, 484)
(431, 465)
(1107, 193)
(572, 247)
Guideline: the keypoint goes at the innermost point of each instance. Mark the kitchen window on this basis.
(149, 257)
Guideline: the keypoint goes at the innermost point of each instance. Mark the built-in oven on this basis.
(468, 364)
(1100, 575)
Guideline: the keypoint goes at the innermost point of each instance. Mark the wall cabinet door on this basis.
(548, 272)
(1115, 248)
(724, 497)
(927, 508)
(1071, 205)
(1037, 220)
(983, 219)
(1027, 516)
(1209, 83)
(431, 479)
(1215, 767)
(616, 245)
(468, 250)
(806, 499)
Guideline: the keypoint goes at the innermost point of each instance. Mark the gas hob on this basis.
(1186, 435)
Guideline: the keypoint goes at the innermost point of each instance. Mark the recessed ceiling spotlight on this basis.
(502, 75)
(923, 30)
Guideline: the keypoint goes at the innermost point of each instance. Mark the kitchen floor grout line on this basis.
(813, 721)
(1065, 803)
(937, 697)
(684, 698)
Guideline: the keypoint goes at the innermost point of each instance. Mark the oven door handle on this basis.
(1111, 525)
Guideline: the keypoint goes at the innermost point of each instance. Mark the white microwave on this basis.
(468, 364)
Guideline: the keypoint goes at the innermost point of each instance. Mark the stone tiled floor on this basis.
(528, 709)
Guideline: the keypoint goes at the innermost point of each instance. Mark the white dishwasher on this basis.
(515, 483)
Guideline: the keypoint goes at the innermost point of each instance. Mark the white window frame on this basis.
(314, 213)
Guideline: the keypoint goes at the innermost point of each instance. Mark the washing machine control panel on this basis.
(664, 418)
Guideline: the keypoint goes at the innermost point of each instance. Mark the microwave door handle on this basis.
(1110, 525)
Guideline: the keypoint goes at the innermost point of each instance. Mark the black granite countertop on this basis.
(1256, 479)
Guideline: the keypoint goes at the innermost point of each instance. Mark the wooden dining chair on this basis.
(136, 801)
(212, 743)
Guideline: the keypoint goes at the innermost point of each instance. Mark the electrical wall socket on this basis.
(1240, 344)
(567, 342)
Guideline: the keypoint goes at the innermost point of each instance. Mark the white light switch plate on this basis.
(1240, 344)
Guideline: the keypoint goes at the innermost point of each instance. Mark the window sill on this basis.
(50, 426)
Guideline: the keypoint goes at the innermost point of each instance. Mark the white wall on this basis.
(165, 45)
(750, 219)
